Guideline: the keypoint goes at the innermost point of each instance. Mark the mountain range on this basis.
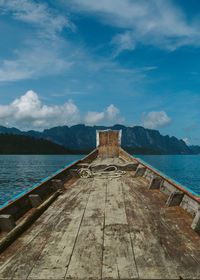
(82, 137)
(28, 145)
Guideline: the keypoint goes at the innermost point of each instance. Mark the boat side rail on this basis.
(23, 202)
(90, 157)
(171, 181)
(178, 194)
(33, 196)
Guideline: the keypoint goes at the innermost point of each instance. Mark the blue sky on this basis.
(135, 62)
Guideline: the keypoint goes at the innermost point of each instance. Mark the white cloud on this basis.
(124, 41)
(154, 22)
(93, 117)
(39, 59)
(28, 112)
(110, 116)
(186, 141)
(155, 119)
(136, 70)
(112, 112)
(38, 14)
(45, 52)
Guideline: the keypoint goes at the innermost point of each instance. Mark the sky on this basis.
(130, 62)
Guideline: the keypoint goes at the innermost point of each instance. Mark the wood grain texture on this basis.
(55, 258)
(20, 264)
(86, 262)
(160, 249)
(118, 258)
(106, 229)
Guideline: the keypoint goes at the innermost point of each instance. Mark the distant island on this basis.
(81, 139)
(22, 144)
(12, 144)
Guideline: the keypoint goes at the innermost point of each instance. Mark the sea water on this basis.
(19, 172)
(183, 168)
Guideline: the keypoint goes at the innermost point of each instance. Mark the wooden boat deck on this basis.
(114, 228)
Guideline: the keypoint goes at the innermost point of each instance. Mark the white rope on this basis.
(107, 172)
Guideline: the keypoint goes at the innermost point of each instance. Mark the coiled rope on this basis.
(108, 172)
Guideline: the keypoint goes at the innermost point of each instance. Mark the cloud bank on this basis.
(110, 116)
(42, 53)
(186, 140)
(48, 50)
(28, 112)
(155, 119)
(37, 14)
(159, 23)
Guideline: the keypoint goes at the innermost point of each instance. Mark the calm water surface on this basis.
(19, 172)
(183, 168)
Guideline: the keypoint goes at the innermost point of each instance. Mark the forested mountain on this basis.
(22, 144)
(81, 137)
(195, 149)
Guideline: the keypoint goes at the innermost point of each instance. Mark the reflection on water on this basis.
(185, 169)
(18, 172)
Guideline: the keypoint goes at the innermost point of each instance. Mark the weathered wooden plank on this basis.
(21, 264)
(181, 221)
(86, 261)
(53, 262)
(39, 225)
(119, 230)
(118, 258)
(160, 251)
(149, 255)
(177, 230)
(184, 263)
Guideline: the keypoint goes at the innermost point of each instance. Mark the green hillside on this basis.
(21, 144)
